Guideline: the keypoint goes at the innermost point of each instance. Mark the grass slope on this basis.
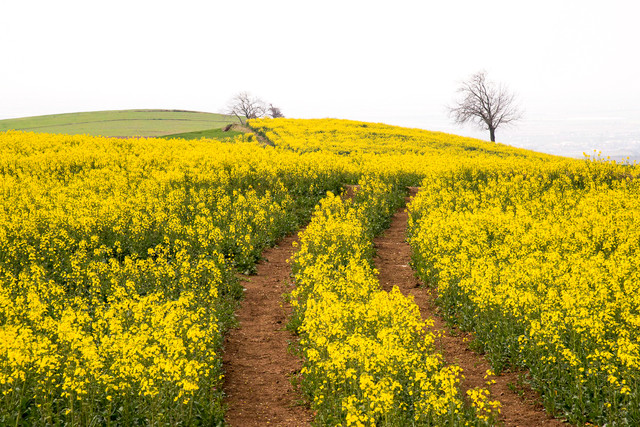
(122, 123)
(209, 133)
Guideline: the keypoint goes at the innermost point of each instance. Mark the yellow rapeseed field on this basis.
(118, 263)
(537, 255)
(542, 265)
(368, 358)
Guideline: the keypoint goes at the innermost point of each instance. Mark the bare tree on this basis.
(274, 112)
(485, 104)
(244, 104)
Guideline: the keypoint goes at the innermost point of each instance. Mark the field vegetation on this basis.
(118, 264)
(218, 133)
(368, 359)
(117, 261)
(123, 123)
(542, 266)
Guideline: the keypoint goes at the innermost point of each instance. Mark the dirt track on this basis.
(259, 367)
(256, 361)
(392, 262)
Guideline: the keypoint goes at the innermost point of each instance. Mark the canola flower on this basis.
(534, 253)
(368, 360)
(542, 265)
(117, 261)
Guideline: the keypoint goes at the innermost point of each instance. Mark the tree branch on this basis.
(484, 104)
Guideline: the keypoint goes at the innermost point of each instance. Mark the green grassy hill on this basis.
(123, 123)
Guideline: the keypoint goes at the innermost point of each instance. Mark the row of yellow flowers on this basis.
(368, 358)
(535, 253)
(542, 264)
(117, 262)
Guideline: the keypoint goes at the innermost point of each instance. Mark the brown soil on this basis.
(246, 129)
(519, 408)
(350, 191)
(256, 361)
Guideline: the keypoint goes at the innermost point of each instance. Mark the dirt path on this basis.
(246, 129)
(392, 262)
(257, 365)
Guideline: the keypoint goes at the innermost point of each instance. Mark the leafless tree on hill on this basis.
(244, 104)
(274, 112)
(484, 104)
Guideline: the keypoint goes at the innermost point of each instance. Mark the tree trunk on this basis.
(492, 132)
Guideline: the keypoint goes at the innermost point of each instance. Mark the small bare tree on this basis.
(244, 104)
(485, 104)
(274, 112)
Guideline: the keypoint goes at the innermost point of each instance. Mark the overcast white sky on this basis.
(395, 62)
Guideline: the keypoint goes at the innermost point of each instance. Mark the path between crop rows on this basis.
(392, 262)
(257, 365)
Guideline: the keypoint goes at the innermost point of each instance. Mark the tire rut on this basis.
(520, 407)
(258, 367)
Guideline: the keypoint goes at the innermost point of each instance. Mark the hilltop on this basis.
(126, 123)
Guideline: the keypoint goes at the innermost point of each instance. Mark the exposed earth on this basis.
(259, 367)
